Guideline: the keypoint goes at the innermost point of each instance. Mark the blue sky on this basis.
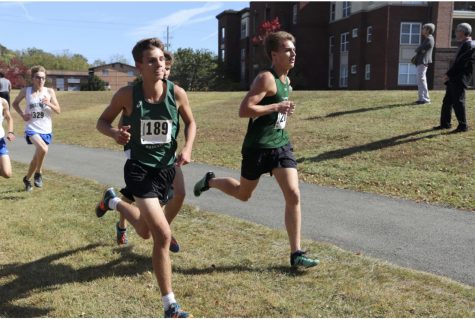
(102, 30)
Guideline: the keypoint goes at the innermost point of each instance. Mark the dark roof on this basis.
(225, 12)
(111, 64)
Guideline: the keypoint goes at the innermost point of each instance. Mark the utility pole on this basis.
(168, 39)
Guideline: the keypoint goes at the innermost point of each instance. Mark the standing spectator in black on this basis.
(423, 59)
(457, 79)
(5, 88)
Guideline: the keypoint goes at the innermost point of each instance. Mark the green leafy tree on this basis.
(63, 61)
(195, 70)
(94, 83)
(118, 58)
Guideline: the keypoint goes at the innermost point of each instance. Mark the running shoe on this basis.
(174, 246)
(38, 180)
(121, 235)
(103, 205)
(299, 259)
(174, 311)
(202, 185)
(28, 186)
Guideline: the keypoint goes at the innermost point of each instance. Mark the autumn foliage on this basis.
(15, 71)
(264, 29)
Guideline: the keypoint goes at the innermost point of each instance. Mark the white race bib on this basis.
(156, 131)
(281, 121)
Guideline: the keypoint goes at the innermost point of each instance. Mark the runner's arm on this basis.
(263, 85)
(16, 105)
(184, 157)
(121, 102)
(52, 102)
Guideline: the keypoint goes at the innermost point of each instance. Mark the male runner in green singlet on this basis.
(266, 147)
(150, 112)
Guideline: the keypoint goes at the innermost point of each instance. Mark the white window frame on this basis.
(344, 42)
(354, 69)
(245, 24)
(295, 12)
(343, 76)
(332, 11)
(369, 34)
(354, 33)
(367, 72)
(411, 33)
(405, 78)
(331, 44)
(346, 9)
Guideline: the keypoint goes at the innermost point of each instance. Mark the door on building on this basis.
(60, 84)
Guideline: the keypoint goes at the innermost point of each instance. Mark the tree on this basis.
(94, 83)
(16, 72)
(118, 58)
(63, 61)
(195, 70)
(265, 28)
(98, 62)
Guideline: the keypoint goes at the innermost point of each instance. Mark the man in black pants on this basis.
(457, 79)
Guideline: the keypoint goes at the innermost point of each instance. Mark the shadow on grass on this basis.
(47, 274)
(361, 110)
(238, 268)
(12, 195)
(373, 146)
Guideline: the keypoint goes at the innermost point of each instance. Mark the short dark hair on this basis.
(274, 39)
(2, 75)
(169, 57)
(145, 44)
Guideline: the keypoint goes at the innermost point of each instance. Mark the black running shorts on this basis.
(256, 162)
(147, 182)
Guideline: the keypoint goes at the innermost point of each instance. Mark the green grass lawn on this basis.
(58, 260)
(370, 141)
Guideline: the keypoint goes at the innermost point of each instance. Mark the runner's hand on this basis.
(123, 136)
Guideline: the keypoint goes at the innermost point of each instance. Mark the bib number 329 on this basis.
(156, 131)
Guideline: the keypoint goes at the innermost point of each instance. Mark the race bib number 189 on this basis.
(156, 131)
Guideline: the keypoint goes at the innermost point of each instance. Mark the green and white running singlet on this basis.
(268, 131)
(154, 128)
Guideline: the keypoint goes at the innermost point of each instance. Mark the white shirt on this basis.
(40, 121)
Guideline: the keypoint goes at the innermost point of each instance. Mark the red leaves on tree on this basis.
(264, 29)
(15, 71)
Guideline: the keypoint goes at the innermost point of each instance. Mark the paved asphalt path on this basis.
(419, 236)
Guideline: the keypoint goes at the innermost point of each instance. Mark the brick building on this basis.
(344, 44)
(116, 75)
(66, 80)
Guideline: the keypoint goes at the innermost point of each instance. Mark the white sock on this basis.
(168, 299)
(113, 202)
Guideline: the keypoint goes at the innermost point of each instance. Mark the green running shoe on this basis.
(299, 259)
(175, 311)
(202, 185)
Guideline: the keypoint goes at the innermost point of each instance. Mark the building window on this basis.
(105, 72)
(295, 11)
(245, 26)
(354, 69)
(346, 9)
(407, 74)
(410, 33)
(331, 44)
(332, 11)
(367, 72)
(130, 73)
(354, 33)
(243, 70)
(243, 54)
(344, 42)
(343, 76)
(223, 54)
(369, 34)
(223, 33)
